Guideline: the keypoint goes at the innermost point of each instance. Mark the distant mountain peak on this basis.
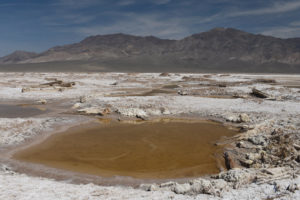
(17, 56)
(218, 29)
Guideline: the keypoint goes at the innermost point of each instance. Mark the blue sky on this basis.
(36, 25)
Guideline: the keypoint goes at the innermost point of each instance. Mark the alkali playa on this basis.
(263, 159)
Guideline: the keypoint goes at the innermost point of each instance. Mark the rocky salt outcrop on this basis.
(93, 110)
(132, 112)
(238, 118)
(143, 113)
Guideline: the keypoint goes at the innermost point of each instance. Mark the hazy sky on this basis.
(35, 25)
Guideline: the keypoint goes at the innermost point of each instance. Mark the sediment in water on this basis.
(173, 149)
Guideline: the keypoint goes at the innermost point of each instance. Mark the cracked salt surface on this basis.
(16, 130)
(23, 187)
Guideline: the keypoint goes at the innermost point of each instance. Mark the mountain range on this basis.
(217, 50)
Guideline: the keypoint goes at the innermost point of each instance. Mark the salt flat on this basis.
(263, 159)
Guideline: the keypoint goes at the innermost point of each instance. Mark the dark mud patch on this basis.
(153, 92)
(170, 86)
(156, 92)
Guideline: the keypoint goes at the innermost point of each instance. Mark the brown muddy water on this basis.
(15, 111)
(154, 150)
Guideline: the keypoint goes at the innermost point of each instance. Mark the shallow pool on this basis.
(172, 149)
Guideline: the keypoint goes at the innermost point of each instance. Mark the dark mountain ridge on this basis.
(220, 49)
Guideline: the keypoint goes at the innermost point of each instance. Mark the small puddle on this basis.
(156, 92)
(152, 92)
(155, 150)
(170, 86)
(14, 111)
